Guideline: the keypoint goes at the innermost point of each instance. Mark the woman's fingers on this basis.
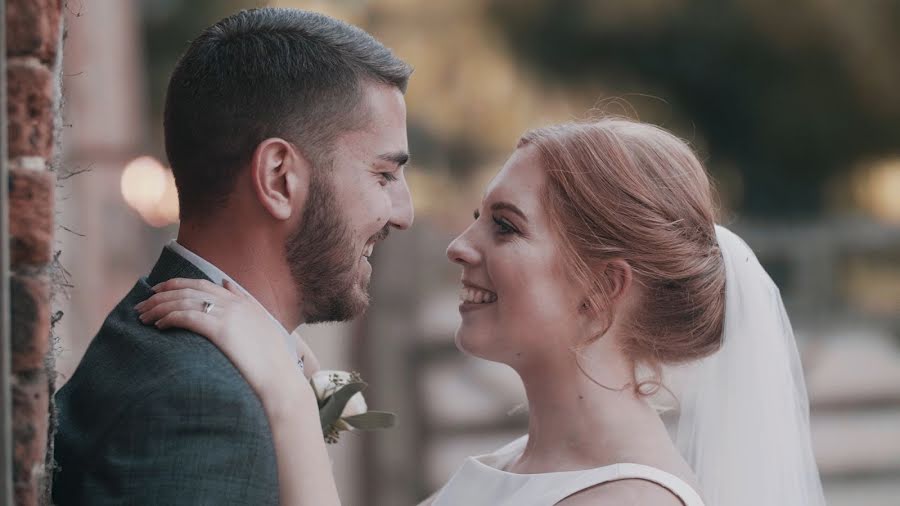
(186, 289)
(158, 311)
(202, 285)
(195, 321)
(233, 288)
(172, 295)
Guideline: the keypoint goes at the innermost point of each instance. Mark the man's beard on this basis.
(323, 260)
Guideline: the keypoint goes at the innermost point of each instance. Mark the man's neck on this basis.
(257, 266)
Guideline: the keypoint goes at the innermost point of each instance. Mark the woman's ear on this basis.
(615, 278)
(619, 276)
(280, 176)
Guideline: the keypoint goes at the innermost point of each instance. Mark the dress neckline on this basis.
(493, 463)
(498, 460)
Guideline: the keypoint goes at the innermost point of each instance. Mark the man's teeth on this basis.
(368, 251)
(476, 296)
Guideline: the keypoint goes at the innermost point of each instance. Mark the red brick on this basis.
(33, 28)
(30, 306)
(31, 409)
(30, 108)
(30, 217)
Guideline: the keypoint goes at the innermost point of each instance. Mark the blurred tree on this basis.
(790, 93)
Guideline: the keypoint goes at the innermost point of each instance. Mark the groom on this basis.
(286, 132)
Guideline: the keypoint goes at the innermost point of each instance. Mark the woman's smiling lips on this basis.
(472, 296)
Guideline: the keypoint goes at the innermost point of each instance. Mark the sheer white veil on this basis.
(744, 422)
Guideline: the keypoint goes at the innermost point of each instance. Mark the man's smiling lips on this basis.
(370, 246)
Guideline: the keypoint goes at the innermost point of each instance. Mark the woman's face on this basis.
(518, 304)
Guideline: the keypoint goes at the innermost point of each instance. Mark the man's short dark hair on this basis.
(265, 73)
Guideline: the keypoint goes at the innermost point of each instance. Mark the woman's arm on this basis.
(304, 468)
(257, 345)
(310, 362)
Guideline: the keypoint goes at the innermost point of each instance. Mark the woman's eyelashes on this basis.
(503, 227)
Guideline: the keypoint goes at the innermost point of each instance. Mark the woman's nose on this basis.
(461, 251)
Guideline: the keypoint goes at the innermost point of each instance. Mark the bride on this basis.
(595, 270)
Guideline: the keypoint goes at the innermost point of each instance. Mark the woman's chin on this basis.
(476, 344)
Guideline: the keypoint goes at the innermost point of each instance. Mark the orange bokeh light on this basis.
(149, 188)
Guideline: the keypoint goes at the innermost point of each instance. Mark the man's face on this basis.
(351, 206)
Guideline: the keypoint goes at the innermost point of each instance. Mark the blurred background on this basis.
(793, 106)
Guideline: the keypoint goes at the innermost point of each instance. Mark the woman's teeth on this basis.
(476, 296)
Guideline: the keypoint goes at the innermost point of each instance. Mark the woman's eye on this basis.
(503, 227)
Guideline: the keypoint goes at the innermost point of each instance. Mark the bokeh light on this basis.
(149, 188)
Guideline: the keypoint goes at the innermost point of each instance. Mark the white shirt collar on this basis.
(217, 276)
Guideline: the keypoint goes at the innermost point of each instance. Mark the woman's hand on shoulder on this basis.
(236, 323)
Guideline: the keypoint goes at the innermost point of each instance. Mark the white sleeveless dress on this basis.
(481, 481)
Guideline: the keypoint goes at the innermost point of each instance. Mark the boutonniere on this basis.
(342, 406)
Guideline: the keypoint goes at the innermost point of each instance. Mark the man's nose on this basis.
(402, 214)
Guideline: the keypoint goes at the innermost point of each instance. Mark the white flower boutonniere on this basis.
(342, 406)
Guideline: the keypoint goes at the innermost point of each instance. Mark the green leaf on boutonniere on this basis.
(331, 410)
(372, 420)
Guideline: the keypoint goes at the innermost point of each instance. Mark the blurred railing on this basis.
(808, 262)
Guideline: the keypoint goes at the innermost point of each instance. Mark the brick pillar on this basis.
(34, 41)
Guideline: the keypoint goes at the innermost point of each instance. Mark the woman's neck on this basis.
(580, 422)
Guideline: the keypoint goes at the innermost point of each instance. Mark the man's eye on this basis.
(386, 178)
(476, 214)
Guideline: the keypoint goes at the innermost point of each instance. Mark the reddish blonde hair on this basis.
(619, 189)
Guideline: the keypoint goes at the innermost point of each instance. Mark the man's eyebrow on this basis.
(398, 158)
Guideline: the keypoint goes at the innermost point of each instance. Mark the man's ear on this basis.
(280, 176)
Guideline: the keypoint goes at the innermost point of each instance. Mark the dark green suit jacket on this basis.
(160, 417)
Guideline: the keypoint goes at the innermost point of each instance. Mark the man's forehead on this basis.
(376, 143)
(383, 102)
(383, 125)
